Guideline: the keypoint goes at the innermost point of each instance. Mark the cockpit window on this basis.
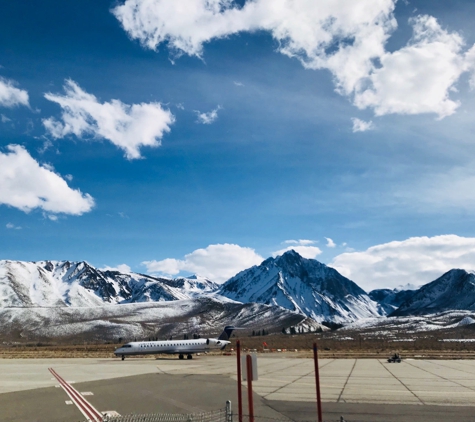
(127, 345)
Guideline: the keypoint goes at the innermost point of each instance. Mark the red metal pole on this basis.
(317, 382)
(239, 381)
(249, 388)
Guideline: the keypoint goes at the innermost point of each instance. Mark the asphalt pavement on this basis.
(357, 389)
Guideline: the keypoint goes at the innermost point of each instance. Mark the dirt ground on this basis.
(330, 345)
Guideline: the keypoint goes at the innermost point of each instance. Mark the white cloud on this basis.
(330, 243)
(10, 96)
(303, 242)
(217, 262)
(417, 260)
(4, 118)
(417, 78)
(238, 83)
(361, 125)
(12, 226)
(302, 247)
(207, 118)
(123, 268)
(25, 184)
(129, 127)
(346, 37)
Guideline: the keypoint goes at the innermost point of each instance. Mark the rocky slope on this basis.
(302, 285)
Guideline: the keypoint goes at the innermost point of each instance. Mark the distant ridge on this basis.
(389, 299)
(454, 290)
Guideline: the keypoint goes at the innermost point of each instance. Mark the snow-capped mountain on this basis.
(455, 290)
(65, 283)
(303, 285)
(390, 300)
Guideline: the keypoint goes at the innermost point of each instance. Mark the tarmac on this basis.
(357, 389)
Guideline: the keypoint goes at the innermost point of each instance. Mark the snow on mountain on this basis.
(390, 300)
(205, 316)
(65, 283)
(193, 286)
(455, 290)
(303, 285)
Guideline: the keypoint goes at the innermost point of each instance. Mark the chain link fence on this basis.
(221, 415)
(212, 416)
(247, 418)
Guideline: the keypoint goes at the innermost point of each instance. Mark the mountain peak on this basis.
(302, 285)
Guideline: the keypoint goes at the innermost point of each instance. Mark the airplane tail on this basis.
(226, 334)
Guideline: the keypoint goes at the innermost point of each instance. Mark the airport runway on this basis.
(359, 389)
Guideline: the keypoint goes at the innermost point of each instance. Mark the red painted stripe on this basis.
(76, 398)
(80, 401)
(86, 408)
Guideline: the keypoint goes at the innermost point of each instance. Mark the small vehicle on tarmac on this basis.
(394, 358)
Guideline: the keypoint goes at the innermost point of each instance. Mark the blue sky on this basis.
(279, 164)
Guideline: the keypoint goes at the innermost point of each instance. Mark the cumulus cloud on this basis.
(25, 184)
(346, 37)
(129, 127)
(361, 125)
(217, 262)
(330, 243)
(303, 247)
(418, 77)
(11, 96)
(207, 118)
(417, 261)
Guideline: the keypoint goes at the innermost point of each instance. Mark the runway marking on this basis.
(86, 393)
(296, 379)
(450, 367)
(111, 413)
(68, 402)
(346, 382)
(87, 409)
(407, 388)
(440, 376)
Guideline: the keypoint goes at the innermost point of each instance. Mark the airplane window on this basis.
(126, 345)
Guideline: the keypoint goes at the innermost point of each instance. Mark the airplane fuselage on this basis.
(180, 347)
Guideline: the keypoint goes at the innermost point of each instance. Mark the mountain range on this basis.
(293, 289)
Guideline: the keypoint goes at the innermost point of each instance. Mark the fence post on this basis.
(317, 382)
(239, 380)
(249, 388)
(229, 412)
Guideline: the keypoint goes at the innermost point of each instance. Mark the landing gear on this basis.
(123, 357)
(180, 356)
(189, 357)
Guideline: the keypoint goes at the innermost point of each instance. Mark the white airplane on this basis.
(179, 347)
